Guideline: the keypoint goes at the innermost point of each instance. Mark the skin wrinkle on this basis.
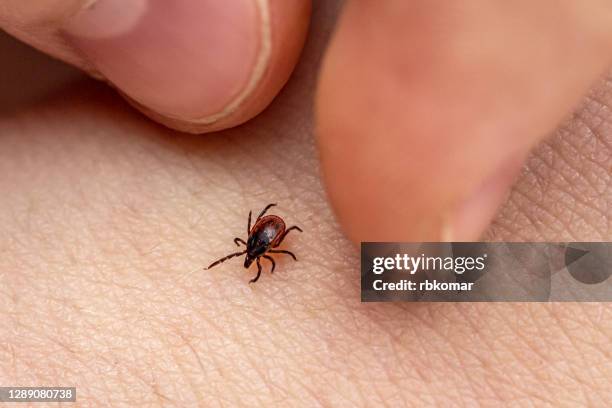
(307, 353)
(578, 196)
(406, 371)
(231, 335)
(61, 347)
(395, 339)
(563, 146)
(579, 124)
(170, 364)
(525, 207)
(533, 371)
(571, 338)
(468, 370)
(575, 167)
(305, 357)
(180, 365)
(253, 366)
(216, 363)
(482, 363)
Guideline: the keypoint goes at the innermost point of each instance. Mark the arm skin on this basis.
(107, 220)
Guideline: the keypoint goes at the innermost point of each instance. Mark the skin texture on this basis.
(107, 220)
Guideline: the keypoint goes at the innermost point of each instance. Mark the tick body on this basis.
(262, 239)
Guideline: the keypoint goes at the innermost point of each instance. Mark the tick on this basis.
(267, 233)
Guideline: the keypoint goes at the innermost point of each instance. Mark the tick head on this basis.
(248, 260)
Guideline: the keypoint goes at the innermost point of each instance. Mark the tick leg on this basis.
(269, 258)
(249, 224)
(225, 258)
(282, 251)
(264, 210)
(239, 241)
(295, 227)
(258, 272)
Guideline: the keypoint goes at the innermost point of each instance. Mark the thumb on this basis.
(195, 65)
(427, 109)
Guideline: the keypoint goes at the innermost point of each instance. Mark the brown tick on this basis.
(267, 233)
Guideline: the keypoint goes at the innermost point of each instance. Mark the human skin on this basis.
(107, 220)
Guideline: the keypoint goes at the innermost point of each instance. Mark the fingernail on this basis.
(187, 59)
(474, 214)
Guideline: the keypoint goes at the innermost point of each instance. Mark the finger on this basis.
(426, 110)
(195, 65)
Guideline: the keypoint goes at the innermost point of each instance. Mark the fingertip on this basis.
(196, 66)
(193, 65)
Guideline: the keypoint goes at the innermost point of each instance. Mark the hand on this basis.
(194, 65)
(108, 219)
(431, 105)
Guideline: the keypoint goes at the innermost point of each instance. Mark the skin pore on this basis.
(108, 220)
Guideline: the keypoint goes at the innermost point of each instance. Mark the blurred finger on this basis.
(195, 65)
(426, 110)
